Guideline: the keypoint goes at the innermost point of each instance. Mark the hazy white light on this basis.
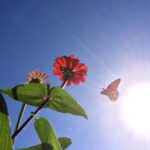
(135, 109)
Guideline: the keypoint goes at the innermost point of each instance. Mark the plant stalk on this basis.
(64, 83)
(45, 102)
(19, 118)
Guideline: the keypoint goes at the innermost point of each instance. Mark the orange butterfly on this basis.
(111, 90)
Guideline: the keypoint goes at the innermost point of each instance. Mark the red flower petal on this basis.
(70, 66)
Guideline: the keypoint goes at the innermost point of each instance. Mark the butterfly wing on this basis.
(111, 90)
(113, 86)
(113, 96)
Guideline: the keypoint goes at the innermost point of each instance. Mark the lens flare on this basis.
(135, 109)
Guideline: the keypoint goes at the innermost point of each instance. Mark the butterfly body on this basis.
(111, 90)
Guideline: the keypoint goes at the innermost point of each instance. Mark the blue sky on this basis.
(111, 37)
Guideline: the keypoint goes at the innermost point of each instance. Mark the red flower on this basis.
(70, 68)
(35, 77)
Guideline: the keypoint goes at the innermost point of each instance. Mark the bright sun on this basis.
(135, 109)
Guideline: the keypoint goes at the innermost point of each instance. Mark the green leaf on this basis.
(5, 133)
(46, 133)
(48, 138)
(65, 142)
(36, 147)
(63, 102)
(31, 93)
(42, 146)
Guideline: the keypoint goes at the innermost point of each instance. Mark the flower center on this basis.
(35, 81)
(68, 72)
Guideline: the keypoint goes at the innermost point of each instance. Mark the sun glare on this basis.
(135, 109)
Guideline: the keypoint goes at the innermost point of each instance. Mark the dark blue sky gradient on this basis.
(112, 37)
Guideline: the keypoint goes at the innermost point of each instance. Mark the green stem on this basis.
(64, 84)
(22, 110)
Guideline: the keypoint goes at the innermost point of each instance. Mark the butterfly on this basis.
(111, 90)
